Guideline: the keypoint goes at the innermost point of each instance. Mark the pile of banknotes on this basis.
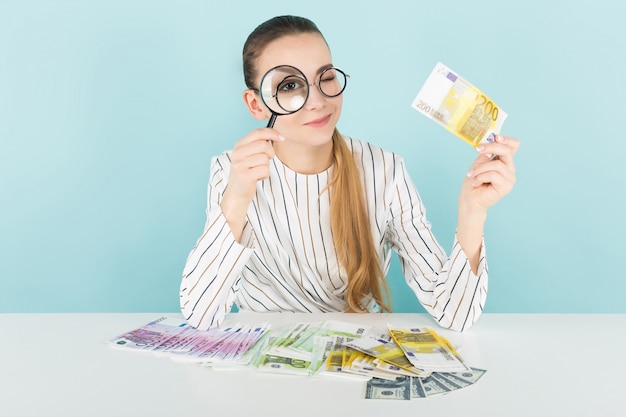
(230, 345)
(399, 363)
(409, 388)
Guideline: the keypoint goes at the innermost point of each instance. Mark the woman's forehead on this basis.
(307, 51)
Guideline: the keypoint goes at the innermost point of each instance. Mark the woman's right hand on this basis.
(250, 163)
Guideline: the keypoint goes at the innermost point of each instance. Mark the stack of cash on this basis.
(433, 364)
(303, 348)
(230, 345)
(399, 363)
(403, 364)
(409, 388)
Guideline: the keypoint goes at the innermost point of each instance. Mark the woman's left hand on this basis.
(488, 180)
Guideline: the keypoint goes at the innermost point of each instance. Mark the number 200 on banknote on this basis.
(457, 105)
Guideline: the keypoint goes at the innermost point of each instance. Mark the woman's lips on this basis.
(323, 121)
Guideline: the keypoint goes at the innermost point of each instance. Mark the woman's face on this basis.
(315, 122)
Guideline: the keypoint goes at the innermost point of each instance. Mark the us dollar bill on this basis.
(460, 107)
(432, 386)
(398, 389)
(417, 388)
(469, 377)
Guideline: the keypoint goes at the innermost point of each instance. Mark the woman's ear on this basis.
(255, 106)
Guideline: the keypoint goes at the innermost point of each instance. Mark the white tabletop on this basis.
(537, 365)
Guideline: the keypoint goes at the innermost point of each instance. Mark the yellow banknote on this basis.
(460, 107)
(427, 350)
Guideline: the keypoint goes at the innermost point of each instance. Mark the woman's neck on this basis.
(305, 159)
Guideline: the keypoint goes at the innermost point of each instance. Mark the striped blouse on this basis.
(286, 260)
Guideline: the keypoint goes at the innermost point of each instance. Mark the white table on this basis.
(537, 365)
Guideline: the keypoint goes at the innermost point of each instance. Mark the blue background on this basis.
(110, 112)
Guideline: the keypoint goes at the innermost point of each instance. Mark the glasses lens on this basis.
(284, 89)
(291, 93)
(332, 82)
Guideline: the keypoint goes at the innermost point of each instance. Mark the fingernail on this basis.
(470, 173)
(281, 137)
(500, 138)
(480, 148)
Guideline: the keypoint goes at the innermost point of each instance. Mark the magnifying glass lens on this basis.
(291, 93)
(284, 89)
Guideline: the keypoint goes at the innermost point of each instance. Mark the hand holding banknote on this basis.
(489, 179)
(461, 108)
(486, 182)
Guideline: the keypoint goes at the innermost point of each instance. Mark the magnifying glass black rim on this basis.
(297, 71)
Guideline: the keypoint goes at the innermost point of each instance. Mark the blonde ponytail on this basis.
(352, 233)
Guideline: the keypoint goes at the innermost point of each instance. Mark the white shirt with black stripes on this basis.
(286, 261)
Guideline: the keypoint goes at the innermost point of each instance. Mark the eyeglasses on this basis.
(288, 87)
(331, 82)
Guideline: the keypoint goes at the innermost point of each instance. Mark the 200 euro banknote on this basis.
(425, 349)
(460, 107)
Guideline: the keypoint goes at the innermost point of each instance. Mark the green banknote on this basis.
(273, 363)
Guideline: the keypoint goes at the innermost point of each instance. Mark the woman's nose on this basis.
(316, 99)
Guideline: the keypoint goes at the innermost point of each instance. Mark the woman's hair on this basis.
(349, 221)
(267, 32)
(352, 233)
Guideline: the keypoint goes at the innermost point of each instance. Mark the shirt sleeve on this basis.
(444, 285)
(214, 265)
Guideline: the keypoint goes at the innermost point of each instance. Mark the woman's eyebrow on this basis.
(323, 68)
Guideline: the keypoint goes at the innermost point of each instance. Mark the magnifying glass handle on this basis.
(272, 120)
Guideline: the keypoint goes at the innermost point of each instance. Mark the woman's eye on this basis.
(290, 86)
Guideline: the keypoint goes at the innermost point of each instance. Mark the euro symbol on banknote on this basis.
(457, 105)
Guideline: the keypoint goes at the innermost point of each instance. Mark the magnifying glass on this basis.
(284, 90)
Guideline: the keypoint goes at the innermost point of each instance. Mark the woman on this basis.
(303, 219)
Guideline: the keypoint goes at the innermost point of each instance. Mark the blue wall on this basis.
(110, 111)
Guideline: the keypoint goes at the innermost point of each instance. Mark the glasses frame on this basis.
(319, 79)
(308, 84)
